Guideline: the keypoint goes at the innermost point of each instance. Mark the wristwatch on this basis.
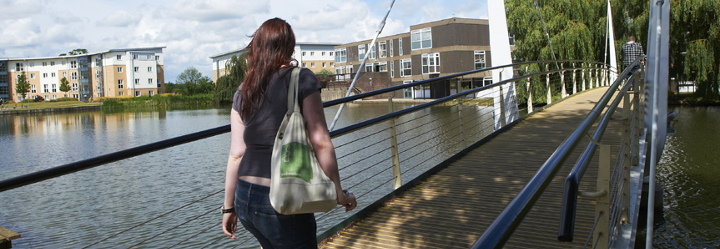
(225, 211)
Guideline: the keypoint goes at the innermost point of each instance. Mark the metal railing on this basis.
(613, 187)
(380, 156)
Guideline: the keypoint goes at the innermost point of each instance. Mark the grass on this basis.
(45, 105)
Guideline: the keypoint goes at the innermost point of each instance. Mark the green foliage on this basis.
(157, 101)
(324, 72)
(225, 87)
(64, 85)
(65, 99)
(191, 82)
(695, 31)
(77, 51)
(23, 86)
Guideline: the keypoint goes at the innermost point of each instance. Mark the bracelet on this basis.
(225, 211)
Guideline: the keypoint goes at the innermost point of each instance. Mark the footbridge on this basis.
(545, 159)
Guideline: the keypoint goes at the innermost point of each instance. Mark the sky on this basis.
(194, 30)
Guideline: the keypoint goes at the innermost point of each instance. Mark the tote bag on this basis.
(297, 183)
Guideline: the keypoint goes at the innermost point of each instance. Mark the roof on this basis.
(79, 55)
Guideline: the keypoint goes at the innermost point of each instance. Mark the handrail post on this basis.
(574, 77)
(547, 85)
(563, 92)
(462, 128)
(582, 74)
(397, 179)
(597, 75)
(638, 116)
(602, 204)
(628, 141)
(529, 92)
(502, 107)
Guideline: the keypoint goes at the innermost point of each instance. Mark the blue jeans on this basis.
(271, 229)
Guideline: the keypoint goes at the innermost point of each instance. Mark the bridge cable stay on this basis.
(362, 64)
(546, 34)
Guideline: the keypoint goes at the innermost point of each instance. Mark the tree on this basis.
(575, 28)
(23, 86)
(64, 86)
(193, 82)
(324, 76)
(225, 87)
(77, 51)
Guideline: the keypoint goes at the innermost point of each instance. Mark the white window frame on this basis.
(73, 64)
(382, 49)
(392, 69)
(120, 84)
(33, 89)
(73, 76)
(400, 48)
(32, 75)
(391, 48)
(52, 63)
(381, 66)
(361, 52)
(479, 60)
(403, 68)
(53, 87)
(149, 80)
(149, 69)
(53, 74)
(312, 64)
(119, 69)
(368, 67)
(341, 55)
(137, 94)
(431, 63)
(324, 63)
(121, 94)
(74, 87)
(372, 54)
(487, 81)
(119, 57)
(421, 39)
(312, 53)
(137, 69)
(137, 81)
(45, 88)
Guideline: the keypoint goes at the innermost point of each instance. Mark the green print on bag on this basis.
(296, 161)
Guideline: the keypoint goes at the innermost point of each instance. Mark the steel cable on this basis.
(179, 225)
(162, 215)
(204, 230)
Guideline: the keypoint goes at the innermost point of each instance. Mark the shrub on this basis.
(66, 99)
(38, 99)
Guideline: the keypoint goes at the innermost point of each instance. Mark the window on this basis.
(407, 92)
(361, 52)
(487, 81)
(121, 94)
(31, 64)
(137, 69)
(312, 53)
(52, 74)
(381, 67)
(119, 69)
(137, 93)
(392, 69)
(331, 53)
(19, 67)
(64, 74)
(421, 38)
(312, 64)
(391, 48)
(44, 64)
(372, 52)
(137, 81)
(74, 87)
(45, 75)
(119, 57)
(62, 63)
(73, 64)
(150, 93)
(431, 63)
(324, 64)
(405, 67)
(54, 88)
(159, 70)
(120, 84)
(45, 88)
(383, 49)
(150, 69)
(341, 55)
(32, 89)
(148, 57)
(400, 52)
(303, 53)
(479, 59)
(368, 67)
(73, 75)
(136, 57)
(150, 81)
(52, 63)
(32, 75)
(157, 57)
(332, 64)
(304, 64)
(322, 53)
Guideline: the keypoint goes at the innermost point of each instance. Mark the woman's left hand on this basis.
(229, 224)
(350, 202)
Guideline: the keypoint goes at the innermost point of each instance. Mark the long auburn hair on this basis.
(271, 47)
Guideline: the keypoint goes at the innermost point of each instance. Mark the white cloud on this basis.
(194, 30)
(120, 18)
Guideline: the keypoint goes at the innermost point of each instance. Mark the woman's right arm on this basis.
(237, 150)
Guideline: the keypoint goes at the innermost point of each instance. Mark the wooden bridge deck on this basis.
(452, 208)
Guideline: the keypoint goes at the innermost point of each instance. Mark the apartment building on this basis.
(112, 73)
(314, 56)
(429, 50)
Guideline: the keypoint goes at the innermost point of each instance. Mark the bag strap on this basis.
(293, 104)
